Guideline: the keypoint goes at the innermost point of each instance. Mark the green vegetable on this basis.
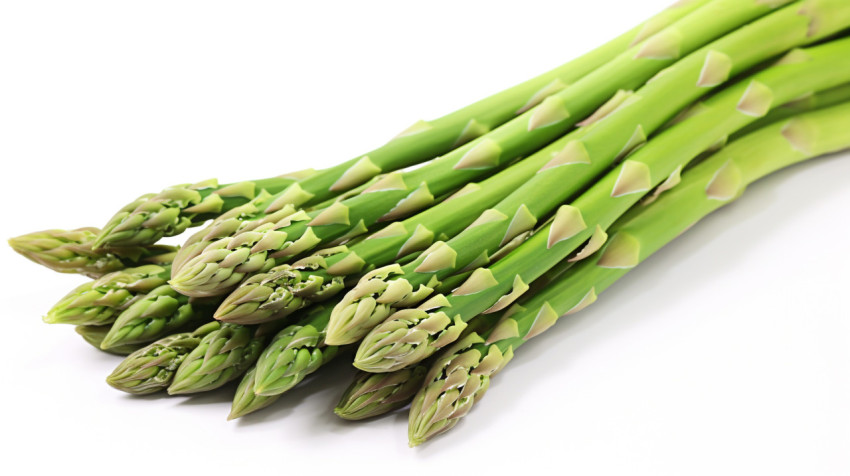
(99, 302)
(411, 335)
(71, 251)
(151, 368)
(572, 164)
(370, 395)
(259, 245)
(460, 377)
(94, 336)
(223, 354)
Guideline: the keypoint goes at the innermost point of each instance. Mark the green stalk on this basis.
(173, 210)
(160, 312)
(426, 140)
(151, 368)
(246, 401)
(294, 353)
(259, 245)
(371, 395)
(71, 251)
(94, 336)
(287, 288)
(223, 354)
(99, 302)
(572, 164)
(460, 377)
(413, 334)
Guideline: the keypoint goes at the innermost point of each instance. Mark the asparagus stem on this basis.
(173, 210)
(71, 251)
(246, 401)
(459, 378)
(99, 302)
(371, 395)
(94, 336)
(572, 164)
(287, 288)
(294, 354)
(279, 236)
(223, 354)
(413, 334)
(151, 368)
(161, 312)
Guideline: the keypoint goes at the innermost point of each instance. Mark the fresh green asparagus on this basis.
(161, 312)
(151, 368)
(173, 210)
(371, 395)
(223, 354)
(99, 302)
(287, 288)
(94, 336)
(413, 334)
(71, 251)
(573, 163)
(264, 243)
(460, 377)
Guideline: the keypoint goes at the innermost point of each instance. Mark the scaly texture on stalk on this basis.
(151, 368)
(370, 395)
(459, 378)
(570, 165)
(259, 245)
(222, 355)
(161, 312)
(94, 336)
(99, 302)
(286, 288)
(294, 353)
(173, 210)
(411, 335)
(426, 140)
(71, 251)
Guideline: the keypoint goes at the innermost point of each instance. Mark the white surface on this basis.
(727, 353)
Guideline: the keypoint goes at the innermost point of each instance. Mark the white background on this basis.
(727, 353)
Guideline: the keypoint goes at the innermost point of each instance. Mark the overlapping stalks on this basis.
(526, 206)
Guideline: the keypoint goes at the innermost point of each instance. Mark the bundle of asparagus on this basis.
(524, 207)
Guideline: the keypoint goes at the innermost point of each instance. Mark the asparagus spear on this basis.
(371, 395)
(286, 288)
(427, 139)
(246, 401)
(295, 353)
(173, 210)
(264, 243)
(71, 251)
(94, 336)
(223, 354)
(410, 335)
(151, 368)
(99, 302)
(161, 312)
(572, 164)
(460, 377)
